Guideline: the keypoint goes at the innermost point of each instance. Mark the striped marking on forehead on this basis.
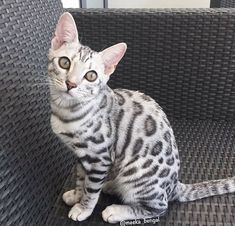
(85, 53)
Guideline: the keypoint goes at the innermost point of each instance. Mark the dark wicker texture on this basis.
(182, 58)
(222, 4)
(227, 4)
(32, 168)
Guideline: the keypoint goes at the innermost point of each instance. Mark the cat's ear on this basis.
(66, 31)
(111, 57)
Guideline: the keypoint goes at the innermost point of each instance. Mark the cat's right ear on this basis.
(66, 31)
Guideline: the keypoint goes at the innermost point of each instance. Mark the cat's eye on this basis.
(91, 76)
(64, 62)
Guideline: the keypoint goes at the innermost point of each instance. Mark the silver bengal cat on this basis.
(122, 138)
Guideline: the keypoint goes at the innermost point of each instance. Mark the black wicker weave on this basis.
(32, 160)
(227, 4)
(222, 4)
(185, 59)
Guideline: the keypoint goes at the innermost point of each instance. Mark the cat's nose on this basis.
(70, 85)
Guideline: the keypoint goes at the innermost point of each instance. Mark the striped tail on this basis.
(190, 192)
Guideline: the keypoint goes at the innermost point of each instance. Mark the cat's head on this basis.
(77, 73)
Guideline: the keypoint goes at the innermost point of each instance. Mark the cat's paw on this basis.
(112, 214)
(79, 213)
(72, 197)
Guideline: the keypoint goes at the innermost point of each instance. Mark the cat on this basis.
(122, 139)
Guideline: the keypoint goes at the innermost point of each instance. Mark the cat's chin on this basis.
(67, 101)
(70, 99)
(66, 97)
(69, 96)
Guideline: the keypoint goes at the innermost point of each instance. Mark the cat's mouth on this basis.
(68, 93)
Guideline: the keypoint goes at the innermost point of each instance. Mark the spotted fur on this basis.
(122, 138)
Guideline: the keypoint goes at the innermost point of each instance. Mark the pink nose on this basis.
(70, 85)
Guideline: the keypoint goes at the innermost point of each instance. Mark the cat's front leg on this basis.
(74, 196)
(92, 187)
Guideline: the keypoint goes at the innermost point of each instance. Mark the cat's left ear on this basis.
(111, 57)
(66, 31)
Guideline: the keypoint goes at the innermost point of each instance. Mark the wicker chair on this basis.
(185, 59)
(222, 4)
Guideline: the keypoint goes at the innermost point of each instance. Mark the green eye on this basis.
(64, 62)
(91, 76)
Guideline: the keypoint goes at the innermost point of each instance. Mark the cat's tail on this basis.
(190, 192)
